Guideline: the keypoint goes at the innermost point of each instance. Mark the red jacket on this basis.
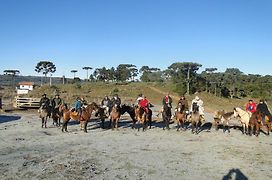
(143, 103)
(251, 107)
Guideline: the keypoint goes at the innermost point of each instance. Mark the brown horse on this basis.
(224, 118)
(196, 119)
(44, 114)
(143, 116)
(114, 117)
(257, 121)
(56, 116)
(180, 116)
(84, 118)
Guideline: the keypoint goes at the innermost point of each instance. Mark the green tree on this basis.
(13, 73)
(184, 72)
(45, 67)
(150, 74)
(74, 71)
(87, 68)
(124, 72)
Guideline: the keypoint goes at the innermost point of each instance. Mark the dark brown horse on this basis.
(56, 116)
(101, 114)
(84, 118)
(256, 121)
(131, 111)
(180, 116)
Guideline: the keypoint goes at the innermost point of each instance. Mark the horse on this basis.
(101, 114)
(180, 116)
(44, 114)
(244, 118)
(224, 118)
(195, 118)
(257, 121)
(143, 116)
(131, 111)
(56, 115)
(166, 116)
(84, 118)
(114, 117)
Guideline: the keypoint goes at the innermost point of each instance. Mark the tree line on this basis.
(183, 77)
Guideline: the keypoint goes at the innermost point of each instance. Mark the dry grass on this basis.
(128, 93)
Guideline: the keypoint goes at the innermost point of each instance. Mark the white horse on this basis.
(243, 117)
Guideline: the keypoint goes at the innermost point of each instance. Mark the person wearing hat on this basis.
(251, 106)
(198, 102)
(263, 109)
(44, 101)
(56, 101)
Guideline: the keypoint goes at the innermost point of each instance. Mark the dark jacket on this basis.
(262, 107)
(44, 101)
(165, 104)
(56, 102)
(183, 102)
(116, 101)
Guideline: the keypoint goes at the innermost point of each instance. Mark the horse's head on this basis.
(195, 108)
(235, 112)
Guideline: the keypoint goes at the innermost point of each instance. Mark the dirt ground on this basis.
(29, 152)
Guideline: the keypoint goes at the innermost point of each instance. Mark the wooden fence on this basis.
(27, 102)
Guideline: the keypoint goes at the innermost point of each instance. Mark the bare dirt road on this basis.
(29, 152)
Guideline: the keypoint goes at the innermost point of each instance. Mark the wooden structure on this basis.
(21, 102)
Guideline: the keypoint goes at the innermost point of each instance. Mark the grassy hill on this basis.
(128, 93)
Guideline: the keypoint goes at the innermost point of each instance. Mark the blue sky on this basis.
(157, 33)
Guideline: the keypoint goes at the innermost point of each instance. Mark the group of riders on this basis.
(142, 102)
(107, 103)
(261, 107)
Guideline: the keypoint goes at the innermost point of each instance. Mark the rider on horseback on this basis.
(78, 107)
(183, 102)
(167, 103)
(263, 109)
(199, 103)
(116, 101)
(56, 102)
(251, 107)
(106, 104)
(44, 101)
(144, 103)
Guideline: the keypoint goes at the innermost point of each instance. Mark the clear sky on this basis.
(157, 33)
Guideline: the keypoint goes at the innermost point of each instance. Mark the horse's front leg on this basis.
(45, 121)
(244, 128)
(116, 124)
(85, 126)
(193, 127)
(178, 125)
(42, 122)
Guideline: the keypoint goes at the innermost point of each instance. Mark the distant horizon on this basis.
(155, 33)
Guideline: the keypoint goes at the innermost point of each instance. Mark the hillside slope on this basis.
(128, 93)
